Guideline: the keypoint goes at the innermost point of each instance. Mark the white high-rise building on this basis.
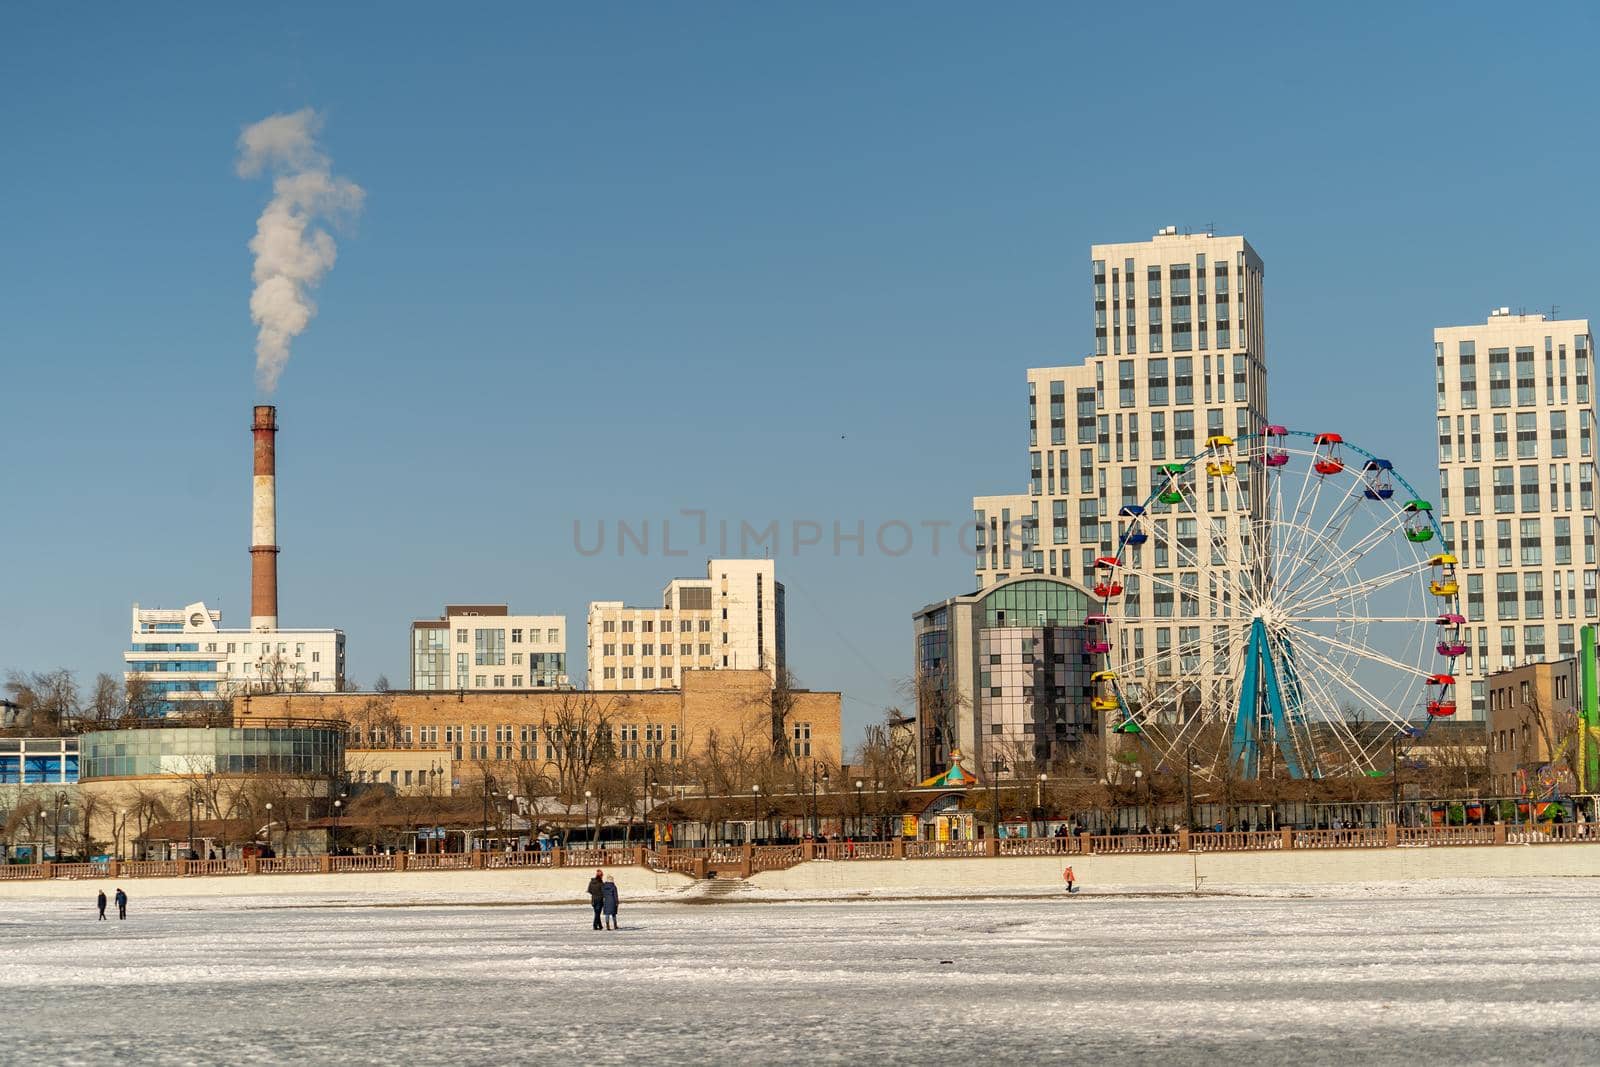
(185, 656)
(1516, 413)
(733, 618)
(1179, 357)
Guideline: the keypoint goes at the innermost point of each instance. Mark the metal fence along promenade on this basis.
(745, 860)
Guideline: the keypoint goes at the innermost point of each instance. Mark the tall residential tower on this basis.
(1179, 357)
(1516, 486)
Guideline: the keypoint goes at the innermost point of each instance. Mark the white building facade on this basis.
(484, 646)
(185, 656)
(1179, 357)
(733, 618)
(1516, 410)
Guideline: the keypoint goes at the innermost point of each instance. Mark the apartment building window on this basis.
(1158, 435)
(685, 650)
(705, 626)
(516, 636)
(1086, 417)
(705, 650)
(1505, 491)
(666, 672)
(1183, 379)
(627, 673)
(627, 626)
(1558, 434)
(1474, 598)
(1158, 381)
(1533, 595)
(1183, 434)
(1530, 488)
(499, 681)
(610, 673)
(627, 649)
(516, 681)
(648, 650)
(608, 626)
(1499, 377)
(1527, 384)
(1125, 387)
(800, 741)
(1505, 595)
(516, 659)
(647, 672)
(1527, 435)
(1471, 499)
(478, 680)
(1563, 541)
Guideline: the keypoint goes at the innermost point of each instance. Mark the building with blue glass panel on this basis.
(184, 656)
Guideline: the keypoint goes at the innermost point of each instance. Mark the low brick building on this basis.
(488, 732)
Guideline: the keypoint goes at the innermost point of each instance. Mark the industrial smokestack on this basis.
(264, 522)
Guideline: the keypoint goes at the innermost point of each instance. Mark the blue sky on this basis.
(773, 263)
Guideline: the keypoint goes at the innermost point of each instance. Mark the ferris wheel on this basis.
(1279, 601)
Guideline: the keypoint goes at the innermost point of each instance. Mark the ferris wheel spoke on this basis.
(1334, 719)
(1366, 652)
(1331, 535)
(1362, 589)
(1343, 510)
(1353, 554)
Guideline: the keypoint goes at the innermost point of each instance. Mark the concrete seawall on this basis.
(1170, 872)
(1187, 871)
(533, 885)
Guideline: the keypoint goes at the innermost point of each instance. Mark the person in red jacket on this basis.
(1068, 877)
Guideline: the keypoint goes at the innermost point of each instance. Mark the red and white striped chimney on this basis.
(264, 522)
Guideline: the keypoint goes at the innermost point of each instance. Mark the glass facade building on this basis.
(38, 760)
(1003, 674)
(299, 751)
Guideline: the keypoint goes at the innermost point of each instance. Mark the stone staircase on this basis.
(718, 890)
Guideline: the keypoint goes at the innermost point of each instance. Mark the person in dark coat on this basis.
(122, 904)
(100, 901)
(608, 906)
(597, 896)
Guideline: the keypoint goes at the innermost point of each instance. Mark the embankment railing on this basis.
(750, 859)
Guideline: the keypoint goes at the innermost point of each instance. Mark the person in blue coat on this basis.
(122, 904)
(609, 902)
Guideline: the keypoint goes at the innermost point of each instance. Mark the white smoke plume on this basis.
(292, 252)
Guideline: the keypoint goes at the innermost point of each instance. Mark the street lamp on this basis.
(813, 801)
(1138, 789)
(996, 765)
(859, 784)
(649, 791)
(190, 842)
(587, 796)
(755, 810)
(1038, 801)
(337, 804)
(269, 826)
(61, 800)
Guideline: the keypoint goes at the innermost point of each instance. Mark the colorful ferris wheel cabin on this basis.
(1135, 535)
(1380, 479)
(1328, 460)
(1419, 521)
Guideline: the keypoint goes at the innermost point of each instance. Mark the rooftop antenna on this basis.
(1553, 309)
(1211, 229)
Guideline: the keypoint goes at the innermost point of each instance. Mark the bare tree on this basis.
(47, 701)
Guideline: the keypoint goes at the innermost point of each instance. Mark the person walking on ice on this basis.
(122, 903)
(608, 906)
(1070, 878)
(597, 895)
(100, 901)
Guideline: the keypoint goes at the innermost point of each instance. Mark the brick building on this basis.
(503, 733)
